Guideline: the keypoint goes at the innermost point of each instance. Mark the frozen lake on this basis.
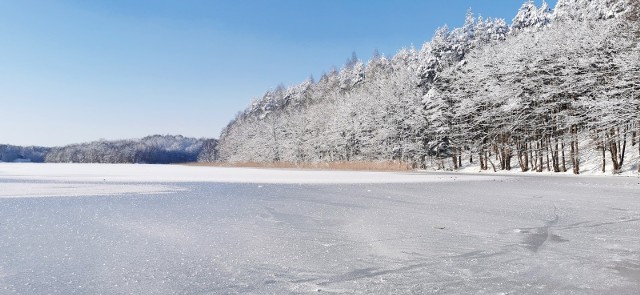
(449, 233)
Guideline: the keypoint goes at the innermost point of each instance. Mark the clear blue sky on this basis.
(75, 71)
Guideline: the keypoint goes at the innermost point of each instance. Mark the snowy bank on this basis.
(122, 173)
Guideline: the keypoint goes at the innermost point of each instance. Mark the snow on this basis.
(182, 173)
(57, 180)
(448, 233)
(304, 231)
(17, 180)
(28, 189)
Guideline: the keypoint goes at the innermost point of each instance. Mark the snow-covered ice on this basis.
(115, 179)
(452, 233)
(54, 189)
(182, 173)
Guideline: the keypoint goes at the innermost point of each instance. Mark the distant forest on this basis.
(156, 149)
(551, 90)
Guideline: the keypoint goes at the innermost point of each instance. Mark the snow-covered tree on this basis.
(529, 16)
(160, 149)
(583, 10)
(527, 95)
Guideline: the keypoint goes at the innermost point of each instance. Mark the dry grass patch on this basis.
(351, 166)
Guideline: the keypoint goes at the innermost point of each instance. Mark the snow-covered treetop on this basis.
(530, 16)
(447, 47)
(590, 9)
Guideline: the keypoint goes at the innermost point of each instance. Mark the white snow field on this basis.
(141, 229)
(101, 179)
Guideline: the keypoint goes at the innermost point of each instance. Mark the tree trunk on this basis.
(614, 150)
(575, 152)
(526, 156)
(554, 155)
(550, 153)
(492, 165)
(540, 156)
(546, 148)
(455, 161)
(520, 161)
(624, 147)
(498, 150)
(486, 160)
(564, 162)
(505, 156)
(604, 156)
(520, 154)
(534, 157)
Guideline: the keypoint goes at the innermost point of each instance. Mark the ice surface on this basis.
(492, 235)
(28, 189)
(180, 173)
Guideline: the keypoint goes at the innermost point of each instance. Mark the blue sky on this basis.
(75, 71)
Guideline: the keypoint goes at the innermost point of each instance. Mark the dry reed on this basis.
(350, 166)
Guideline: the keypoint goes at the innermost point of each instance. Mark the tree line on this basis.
(543, 93)
(155, 149)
